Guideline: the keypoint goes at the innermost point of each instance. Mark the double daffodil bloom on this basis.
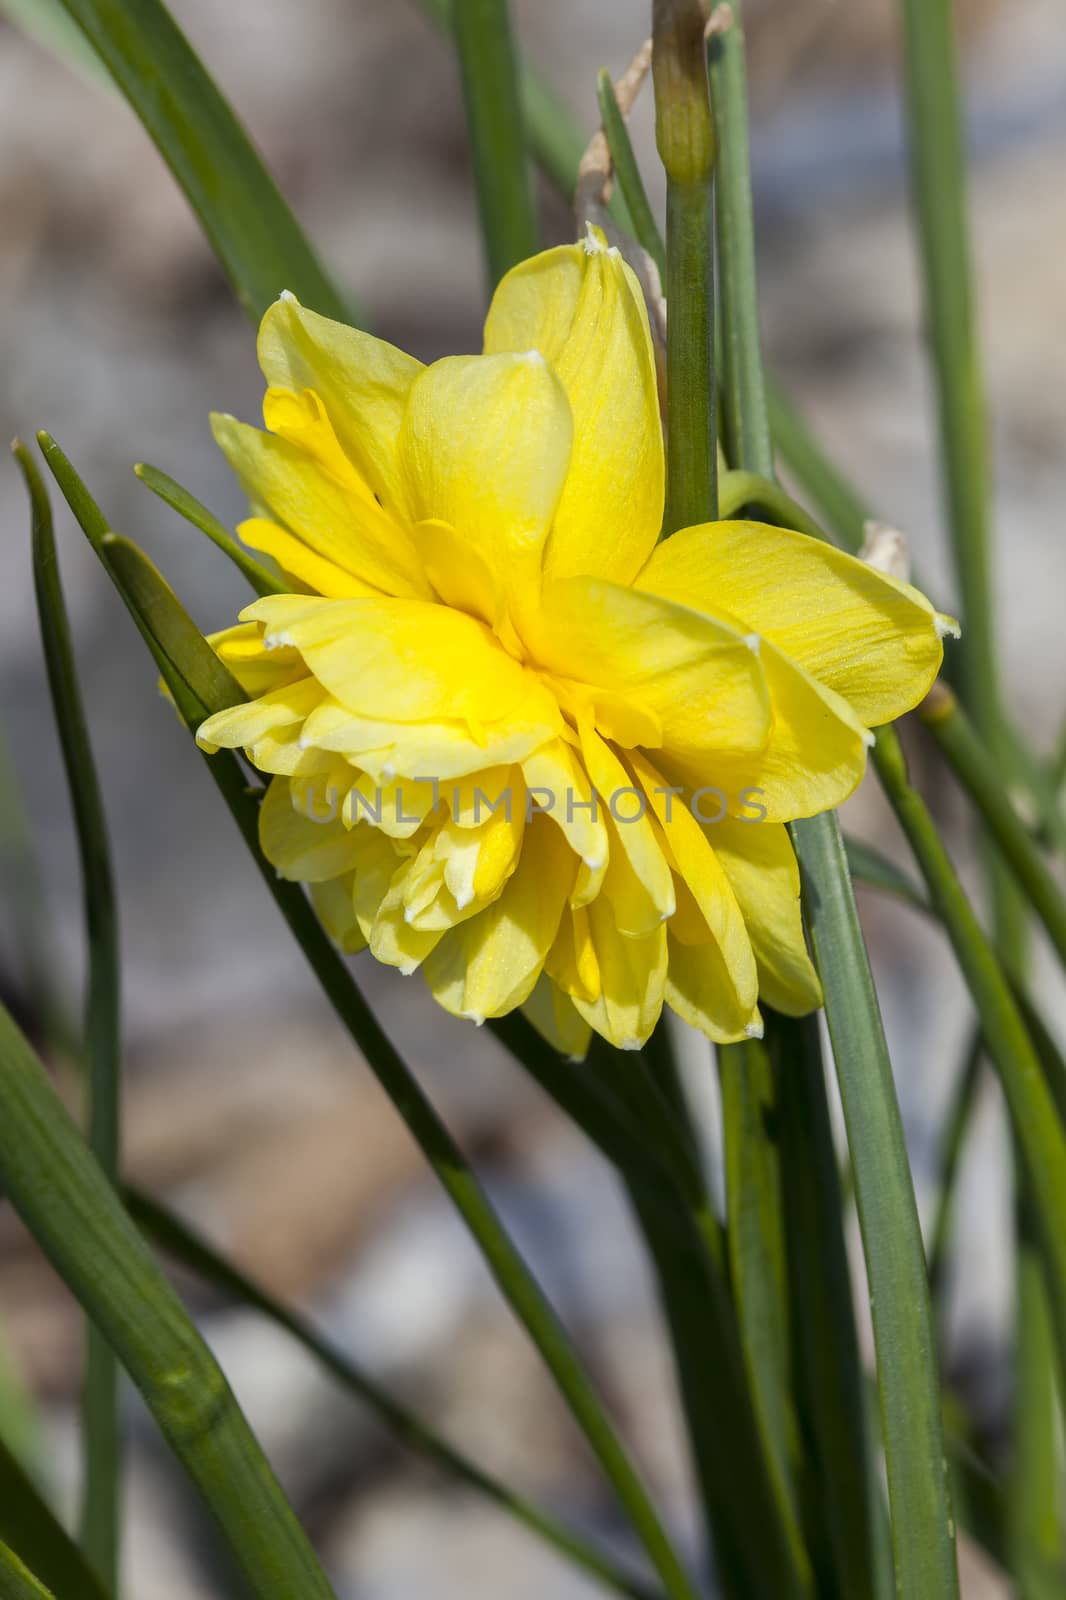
(514, 740)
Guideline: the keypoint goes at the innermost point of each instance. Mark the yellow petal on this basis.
(571, 962)
(241, 726)
(556, 1019)
(699, 990)
(302, 850)
(871, 639)
(488, 965)
(255, 668)
(336, 520)
(695, 675)
(559, 785)
(299, 562)
(332, 901)
(697, 863)
(632, 980)
(761, 866)
(815, 756)
(459, 573)
(407, 659)
(582, 308)
(485, 444)
(432, 749)
(361, 381)
(638, 882)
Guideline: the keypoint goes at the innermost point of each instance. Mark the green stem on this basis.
(169, 1233)
(73, 1212)
(844, 1496)
(844, 509)
(496, 128)
(1038, 1130)
(102, 1440)
(753, 1137)
(739, 489)
(952, 1139)
(684, 135)
(972, 763)
(938, 181)
(922, 1526)
(745, 419)
(1034, 1503)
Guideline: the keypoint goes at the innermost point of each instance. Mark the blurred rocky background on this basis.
(246, 1107)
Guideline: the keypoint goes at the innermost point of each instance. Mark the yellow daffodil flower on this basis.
(516, 741)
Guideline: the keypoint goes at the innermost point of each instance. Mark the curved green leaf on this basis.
(31, 1529)
(102, 1435)
(78, 1220)
(251, 229)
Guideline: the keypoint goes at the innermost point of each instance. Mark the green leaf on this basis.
(752, 1136)
(175, 1237)
(1038, 1130)
(73, 1212)
(30, 1528)
(248, 224)
(981, 777)
(843, 1490)
(187, 506)
(17, 1582)
(922, 1523)
(199, 685)
(496, 131)
(103, 1044)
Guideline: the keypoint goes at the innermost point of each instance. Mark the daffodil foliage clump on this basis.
(515, 740)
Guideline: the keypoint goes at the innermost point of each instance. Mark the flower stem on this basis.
(923, 1531)
(1037, 1126)
(970, 760)
(938, 182)
(496, 128)
(102, 1441)
(684, 136)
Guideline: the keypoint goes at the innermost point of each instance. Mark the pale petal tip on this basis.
(869, 739)
(594, 863)
(946, 627)
(534, 357)
(288, 298)
(754, 1030)
(630, 1044)
(594, 242)
(753, 641)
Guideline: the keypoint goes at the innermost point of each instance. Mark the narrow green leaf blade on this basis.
(103, 1044)
(752, 1129)
(17, 1582)
(78, 1220)
(251, 229)
(922, 1523)
(187, 506)
(174, 1236)
(496, 130)
(31, 1529)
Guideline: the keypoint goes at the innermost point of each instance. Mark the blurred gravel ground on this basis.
(119, 336)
